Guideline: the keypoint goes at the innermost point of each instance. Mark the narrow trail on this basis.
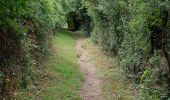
(91, 89)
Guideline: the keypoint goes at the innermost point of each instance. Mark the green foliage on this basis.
(26, 29)
(107, 21)
(123, 28)
(154, 79)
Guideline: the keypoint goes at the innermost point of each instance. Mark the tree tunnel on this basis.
(74, 21)
(79, 20)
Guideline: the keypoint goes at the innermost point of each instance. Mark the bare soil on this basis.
(91, 89)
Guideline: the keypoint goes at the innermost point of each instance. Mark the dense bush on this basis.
(26, 28)
(136, 31)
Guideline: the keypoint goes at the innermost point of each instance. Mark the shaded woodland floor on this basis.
(75, 56)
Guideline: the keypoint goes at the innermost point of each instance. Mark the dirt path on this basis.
(92, 87)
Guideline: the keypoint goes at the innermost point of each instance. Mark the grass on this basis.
(115, 87)
(63, 77)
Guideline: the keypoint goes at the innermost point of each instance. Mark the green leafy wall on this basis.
(123, 28)
(26, 27)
